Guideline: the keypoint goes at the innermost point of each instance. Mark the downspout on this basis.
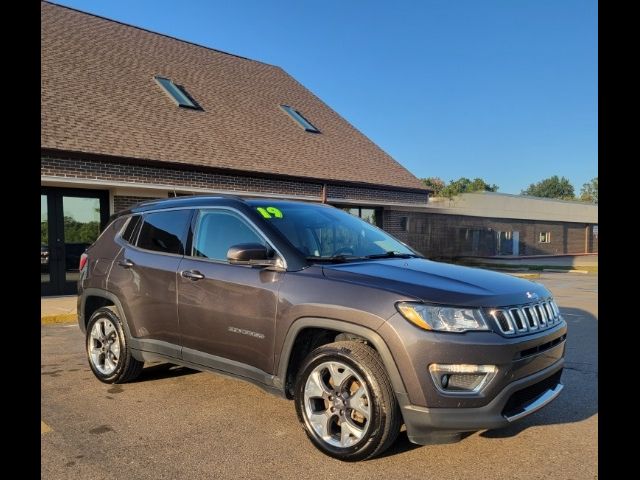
(586, 239)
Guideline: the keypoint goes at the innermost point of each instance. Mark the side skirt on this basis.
(148, 350)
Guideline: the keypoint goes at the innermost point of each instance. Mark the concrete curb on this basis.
(558, 270)
(59, 318)
(525, 275)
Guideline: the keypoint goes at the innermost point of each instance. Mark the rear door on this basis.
(143, 277)
(229, 313)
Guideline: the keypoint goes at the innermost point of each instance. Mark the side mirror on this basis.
(244, 252)
(255, 255)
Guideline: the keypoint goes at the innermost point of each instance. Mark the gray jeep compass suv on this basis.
(316, 305)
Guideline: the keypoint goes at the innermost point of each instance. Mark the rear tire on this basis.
(345, 401)
(109, 355)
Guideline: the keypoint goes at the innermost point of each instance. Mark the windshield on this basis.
(328, 233)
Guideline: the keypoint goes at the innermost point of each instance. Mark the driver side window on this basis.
(218, 230)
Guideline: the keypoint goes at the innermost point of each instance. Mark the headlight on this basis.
(443, 319)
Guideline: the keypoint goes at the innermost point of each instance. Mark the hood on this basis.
(439, 283)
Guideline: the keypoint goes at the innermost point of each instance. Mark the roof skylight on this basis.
(297, 116)
(177, 93)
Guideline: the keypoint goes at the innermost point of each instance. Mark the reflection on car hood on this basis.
(440, 283)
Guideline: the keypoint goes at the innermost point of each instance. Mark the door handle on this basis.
(192, 274)
(126, 263)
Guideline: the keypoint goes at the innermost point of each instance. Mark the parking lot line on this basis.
(44, 428)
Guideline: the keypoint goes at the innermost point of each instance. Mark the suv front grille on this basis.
(533, 317)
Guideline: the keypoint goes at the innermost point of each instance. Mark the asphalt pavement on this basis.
(176, 423)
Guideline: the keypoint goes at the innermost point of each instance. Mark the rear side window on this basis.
(218, 230)
(129, 233)
(164, 231)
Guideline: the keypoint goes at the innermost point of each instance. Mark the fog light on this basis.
(461, 379)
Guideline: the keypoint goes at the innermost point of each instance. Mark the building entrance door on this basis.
(70, 221)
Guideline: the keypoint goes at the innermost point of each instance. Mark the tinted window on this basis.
(164, 231)
(218, 230)
(319, 231)
(127, 235)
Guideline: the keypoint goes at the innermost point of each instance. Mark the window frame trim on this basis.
(547, 236)
(125, 225)
(142, 219)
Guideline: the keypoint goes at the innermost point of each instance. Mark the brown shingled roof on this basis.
(99, 97)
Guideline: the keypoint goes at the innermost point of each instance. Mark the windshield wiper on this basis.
(335, 258)
(392, 254)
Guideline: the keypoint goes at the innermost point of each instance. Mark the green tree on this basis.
(456, 187)
(435, 184)
(589, 191)
(44, 233)
(552, 187)
(464, 185)
(80, 232)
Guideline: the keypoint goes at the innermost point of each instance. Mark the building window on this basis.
(595, 232)
(404, 224)
(545, 237)
(297, 116)
(370, 215)
(176, 93)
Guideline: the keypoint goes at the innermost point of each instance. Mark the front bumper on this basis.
(528, 377)
(445, 425)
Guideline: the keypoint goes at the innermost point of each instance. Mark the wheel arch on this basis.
(90, 301)
(340, 327)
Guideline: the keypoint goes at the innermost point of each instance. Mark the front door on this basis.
(70, 221)
(226, 310)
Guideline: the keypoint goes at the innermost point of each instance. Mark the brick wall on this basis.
(122, 202)
(375, 194)
(143, 174)
(447, 236)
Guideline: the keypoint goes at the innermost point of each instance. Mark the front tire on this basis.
(109, 355)
(345, 401)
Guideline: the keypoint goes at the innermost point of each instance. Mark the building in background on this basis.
(130, 115)
(486, 224)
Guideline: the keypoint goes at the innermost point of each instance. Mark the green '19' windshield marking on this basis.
(270, 212)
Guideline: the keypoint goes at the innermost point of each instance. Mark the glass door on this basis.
(70, 221)
(45, 272)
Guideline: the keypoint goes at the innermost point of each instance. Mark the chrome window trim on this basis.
(125, 225)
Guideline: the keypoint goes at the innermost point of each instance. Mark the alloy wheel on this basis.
(337, 404)
(104, 346)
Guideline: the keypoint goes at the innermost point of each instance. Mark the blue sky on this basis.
(500, 89)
